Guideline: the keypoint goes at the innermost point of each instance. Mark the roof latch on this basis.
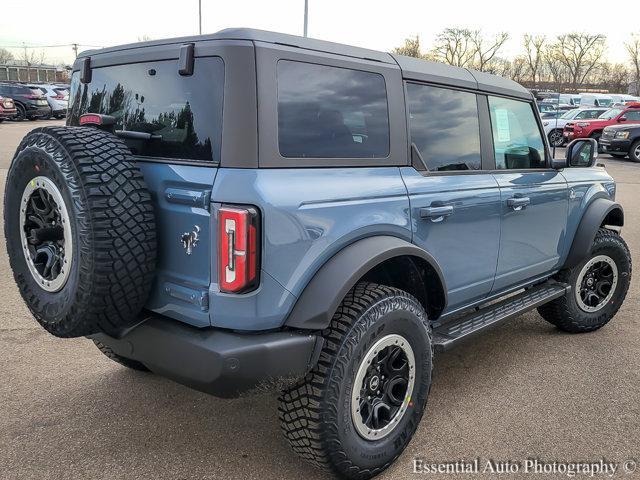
(185, 62)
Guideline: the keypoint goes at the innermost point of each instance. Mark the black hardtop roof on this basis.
(412, 68)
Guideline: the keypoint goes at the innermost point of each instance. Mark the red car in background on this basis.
(593, 128)
(7, 109)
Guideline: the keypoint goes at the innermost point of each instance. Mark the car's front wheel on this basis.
(634, 151)
(357, 410)
(599, 285)
(555, 138)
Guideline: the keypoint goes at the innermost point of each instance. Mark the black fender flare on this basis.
(328, 287)
(600, 211)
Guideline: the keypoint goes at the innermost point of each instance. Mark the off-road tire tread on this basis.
(116, 229)
(127, 362)
(560, 313)
(310, 434)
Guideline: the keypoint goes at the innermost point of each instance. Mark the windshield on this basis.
(612, 113)
(605, 102)
(570, 113)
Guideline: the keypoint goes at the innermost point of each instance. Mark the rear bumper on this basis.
(219, 362)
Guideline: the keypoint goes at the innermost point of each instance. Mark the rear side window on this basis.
(444, 127)
(517, 140)
(331, 112)
(183, 114)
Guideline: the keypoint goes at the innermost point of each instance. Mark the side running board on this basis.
(453, 331)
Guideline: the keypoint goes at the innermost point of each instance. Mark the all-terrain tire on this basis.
(316, 414)
(113, 236)
(127, 362)
(565, 312)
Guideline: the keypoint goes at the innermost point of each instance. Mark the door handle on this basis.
(518, 203)
(436, 214)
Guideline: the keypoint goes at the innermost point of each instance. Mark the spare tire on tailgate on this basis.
(80, 230)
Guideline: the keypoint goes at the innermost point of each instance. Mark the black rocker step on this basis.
(451, 332)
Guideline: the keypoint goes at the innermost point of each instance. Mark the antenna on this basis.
(306, 16)
(555, 127)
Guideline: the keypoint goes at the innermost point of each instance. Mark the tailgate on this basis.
(172, 123)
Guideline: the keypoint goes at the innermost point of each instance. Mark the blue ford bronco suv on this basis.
(247, 211)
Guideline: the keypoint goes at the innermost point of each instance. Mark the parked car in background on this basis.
(594, 128)
(7, 109)
(30, 103)
(622, 140)
(596, 100)
(553, 127)
(57, 97)
(570, 99)
(620, 99)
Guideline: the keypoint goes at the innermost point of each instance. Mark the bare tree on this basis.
(580, 53)
(534, 46)
(484, 51)
(5, 56)
(411, 48)
(613, 77)
(454, 47)
(633, 49)
(554, 69)
(31, 58)
(518, 70)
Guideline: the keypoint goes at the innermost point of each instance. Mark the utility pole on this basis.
(306, 16)
(75, 50)
(200, 16)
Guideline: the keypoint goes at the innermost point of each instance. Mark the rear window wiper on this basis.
(133, 135)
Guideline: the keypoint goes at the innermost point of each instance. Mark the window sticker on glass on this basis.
(502, 125)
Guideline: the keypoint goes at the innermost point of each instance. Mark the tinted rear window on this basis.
(183, 113)
(444, 127)
(331, 112)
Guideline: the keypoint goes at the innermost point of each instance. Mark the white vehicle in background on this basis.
(553, 127)
(572, 99)
(57, 97)
(596, 100)
(620, 99)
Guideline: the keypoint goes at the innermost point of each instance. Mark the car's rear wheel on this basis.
(357, 410)
(599, 285)
(634, 151)
(555, 138)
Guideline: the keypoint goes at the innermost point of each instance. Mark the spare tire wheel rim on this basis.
(382, 387)
(45, 233)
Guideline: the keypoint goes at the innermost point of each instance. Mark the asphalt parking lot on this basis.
(523, 390)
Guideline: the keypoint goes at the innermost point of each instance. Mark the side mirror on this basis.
(558, 163)
(622, 119)
(582, 152)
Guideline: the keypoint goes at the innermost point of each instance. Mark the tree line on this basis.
(567, 63)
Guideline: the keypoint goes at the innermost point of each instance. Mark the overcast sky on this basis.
(377, 24)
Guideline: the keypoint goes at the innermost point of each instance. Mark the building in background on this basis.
(19, 72)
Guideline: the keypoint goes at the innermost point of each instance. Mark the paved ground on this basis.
(522, 390)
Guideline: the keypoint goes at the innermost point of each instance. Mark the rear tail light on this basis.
(58, 97)
(238, 248)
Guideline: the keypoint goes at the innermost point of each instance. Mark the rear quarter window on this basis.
(182, 113)
(331, 112)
